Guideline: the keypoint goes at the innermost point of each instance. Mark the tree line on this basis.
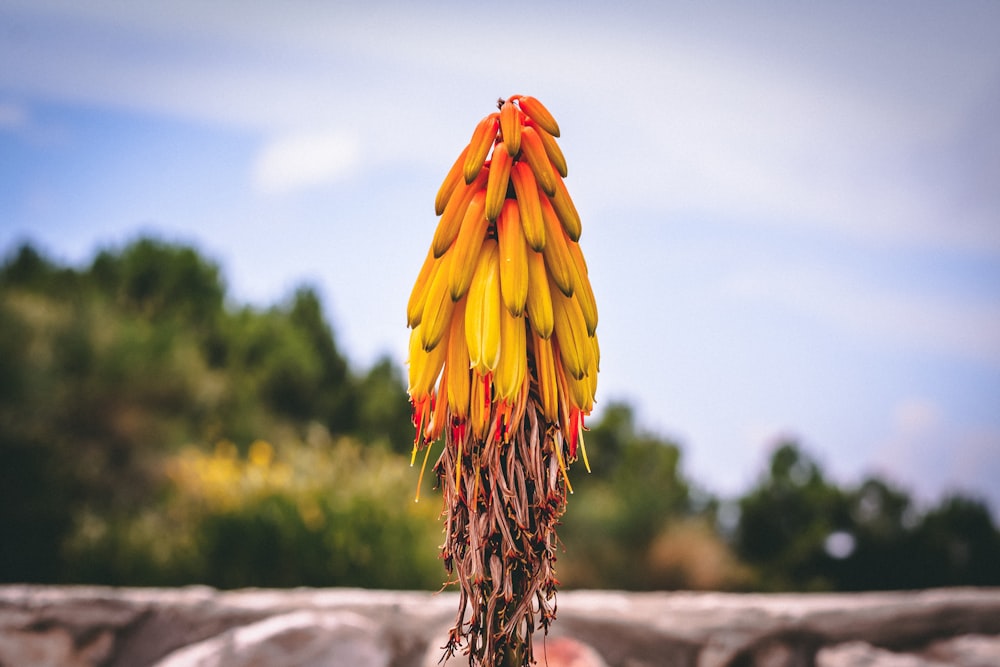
(154, 432)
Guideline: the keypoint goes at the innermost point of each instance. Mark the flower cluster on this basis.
(502, 310)
(503, 362)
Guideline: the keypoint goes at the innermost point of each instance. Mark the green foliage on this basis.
(160, 281)
(325, 512)
(153, 433)
(956, 544)
(801, 532)
(383, 408)
(785, 521)
(108, 371)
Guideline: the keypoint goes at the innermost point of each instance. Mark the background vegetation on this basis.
(153, 432)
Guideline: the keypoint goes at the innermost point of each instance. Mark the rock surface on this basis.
(202, 627)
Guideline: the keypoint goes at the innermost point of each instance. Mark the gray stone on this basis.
(295, 639)
(189, 627)
(860, 654)
(966, 651)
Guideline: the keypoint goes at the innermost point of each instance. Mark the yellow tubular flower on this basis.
(529, 205)
(424, 366)
(415, 306)
(566, 210)
(537, 112)
(513, 259)
(454, 213)
(467, 245)
(496, 185)
(510, 372)
(557, 256)
(595, 368)
(510, 127)
(539, 297)
(450, 182)
(571, 330)
(533, 151)
(545, 377)
(583, 291)
(479, 146)
(482, 311)
(554, 153)
(456, 368)
(438, 306)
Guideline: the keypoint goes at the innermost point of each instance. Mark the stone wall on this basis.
(87, 626)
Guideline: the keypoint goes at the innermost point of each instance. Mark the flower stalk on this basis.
(503, 363)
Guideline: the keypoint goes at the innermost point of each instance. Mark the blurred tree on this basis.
(333, 396)
(802, 533)
(26, 268)
(785, 521)
(36, 489)
(160, 280)
(956, 544)
(383, 407)
(875, 548)
(286, 358)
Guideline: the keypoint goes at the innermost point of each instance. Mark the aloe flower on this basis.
(503, 362)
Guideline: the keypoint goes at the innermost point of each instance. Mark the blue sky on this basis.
(791, 212)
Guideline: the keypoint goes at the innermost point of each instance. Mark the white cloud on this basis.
(733, 136)
(306, 160)
(802, 121)
(942, 323)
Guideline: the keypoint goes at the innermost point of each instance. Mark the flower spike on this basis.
(503, 365)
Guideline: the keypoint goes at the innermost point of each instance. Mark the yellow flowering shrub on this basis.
(319, 511)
